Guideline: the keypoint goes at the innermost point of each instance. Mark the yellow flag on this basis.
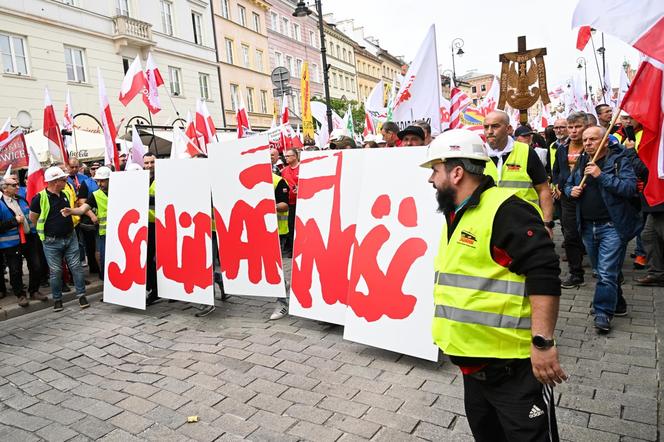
(307, 121)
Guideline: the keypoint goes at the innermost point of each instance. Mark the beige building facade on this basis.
(61, 44)
(242, 46)
(341, 59)
(368, 67)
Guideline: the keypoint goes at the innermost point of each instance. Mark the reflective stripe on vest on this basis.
(282, 217)
(10, 238)
(151, 192)
(515, 173)
(482, 309)
(102, 210)
(45, 207)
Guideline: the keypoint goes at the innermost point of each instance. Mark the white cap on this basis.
(54, 173)
(455, 143)
(623, 113)
(103, 173)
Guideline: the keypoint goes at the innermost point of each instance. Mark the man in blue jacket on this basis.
(607, 214)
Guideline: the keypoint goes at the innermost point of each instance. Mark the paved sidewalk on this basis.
(117, 374)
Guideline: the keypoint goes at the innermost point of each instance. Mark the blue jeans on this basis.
(55, 250)
(101, 247)
(607, 254)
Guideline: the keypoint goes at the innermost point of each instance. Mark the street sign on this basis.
(280, 77)
(279, 92)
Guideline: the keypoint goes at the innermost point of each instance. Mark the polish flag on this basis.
(641, 24)
(644, 101)
(35, 177)
(110, 130)
(153, 80)
(133, 83)
(459, 101)
(212, 130)
(52, 131)
(195, 140)
(202, 121)
(582, 39)
(369, 127)
(6, 129)
(242, 119)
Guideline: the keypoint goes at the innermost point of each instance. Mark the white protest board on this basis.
(246, 217)
(324, 233)
(184, 230)
(390, 299)
(126, 239)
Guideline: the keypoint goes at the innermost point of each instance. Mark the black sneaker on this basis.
(83, 302)
(572, 282)
(621, 307)
(57, 305)
(602, 324)
(206, 310)
(65, 288)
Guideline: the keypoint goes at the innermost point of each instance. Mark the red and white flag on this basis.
(68, 120)
(133, 82)
(458, 103)
(641, 24)
(35, 177)
(212, 129)
(153, 80)
(52, 132)
(6, 129)
(490, 100)
(444, 113)
(203, 123)
(194, 139)
(284, 111)
(110, 131)
(644, 101)
(369, 127)
(583, 37)
(242, 120)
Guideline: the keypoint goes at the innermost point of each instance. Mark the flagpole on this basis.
(599, 74)
(73, 131)
(601, 145)
(154, 137)
(440, 92)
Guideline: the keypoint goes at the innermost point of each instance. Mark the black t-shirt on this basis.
(536, 170)
(281, 192)
(56, 225)
(83, 191)
(591, 203)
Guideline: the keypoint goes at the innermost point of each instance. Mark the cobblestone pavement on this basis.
(117, 374)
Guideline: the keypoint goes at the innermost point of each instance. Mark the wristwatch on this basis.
(542, 343)
(550, 224)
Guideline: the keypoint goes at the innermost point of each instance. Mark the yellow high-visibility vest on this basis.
(515, 173)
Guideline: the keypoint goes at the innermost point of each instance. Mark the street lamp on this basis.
(457, 44)
(302, 11)
(581, 63)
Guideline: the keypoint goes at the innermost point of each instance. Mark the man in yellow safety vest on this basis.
(496, 295)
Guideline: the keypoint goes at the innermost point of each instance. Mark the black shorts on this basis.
(505, 402)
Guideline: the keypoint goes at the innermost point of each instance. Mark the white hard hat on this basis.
(133, 166)
(54, 173)
(455, 143)
(103, 173)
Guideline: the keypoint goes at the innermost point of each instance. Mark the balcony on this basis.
(131, 32)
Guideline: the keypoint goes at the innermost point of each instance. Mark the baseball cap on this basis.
(343, 142)
(411, 130)
(523, 131)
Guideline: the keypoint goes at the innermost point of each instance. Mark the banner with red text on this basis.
(390, 296)
(324, 233)
(246, 217)
(126, 239)
(184, 230)
(13, 152)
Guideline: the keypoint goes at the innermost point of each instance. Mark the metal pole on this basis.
(323, 53)
(599, 74)
(453, 67)
(603, 58)
(585, 76)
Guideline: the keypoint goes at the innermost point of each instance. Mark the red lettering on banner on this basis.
(331, 255)
(385, 294)
(193, 271)
(244, 218)
(133, 273)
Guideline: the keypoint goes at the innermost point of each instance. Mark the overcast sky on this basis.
(488, 28)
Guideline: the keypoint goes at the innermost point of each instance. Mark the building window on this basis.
(314, 72)
(279, 59)
(245, 56)
(473, 89)
(483, 88)
(296, 32)
(298, 65)
(289, 64)
(175, 80)
(14, 58)
(242, 15)
(334, 79)
(347, 84)
(296, 102)
(229, 50)
(235, 97)
(126, 62)
(312, 39)
(121, 7)
(264, 102)
(167, 17)
(75, 64)
(250, 99)
(475, 101)
(274, 21)
(258, 63)
(196, 21)
(225, 9)
(352, 85)
(257, 22)
(285, 24)
(344, 54)
(204, 85)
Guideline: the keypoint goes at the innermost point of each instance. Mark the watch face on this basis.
(540, 342)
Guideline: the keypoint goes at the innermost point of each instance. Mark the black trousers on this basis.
(572, 242)
(90, 241)
(288, 245)
(31, 250)
(510, 404)
(14, 261)
(151, 264)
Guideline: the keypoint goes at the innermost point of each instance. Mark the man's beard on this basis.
(446, 198)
